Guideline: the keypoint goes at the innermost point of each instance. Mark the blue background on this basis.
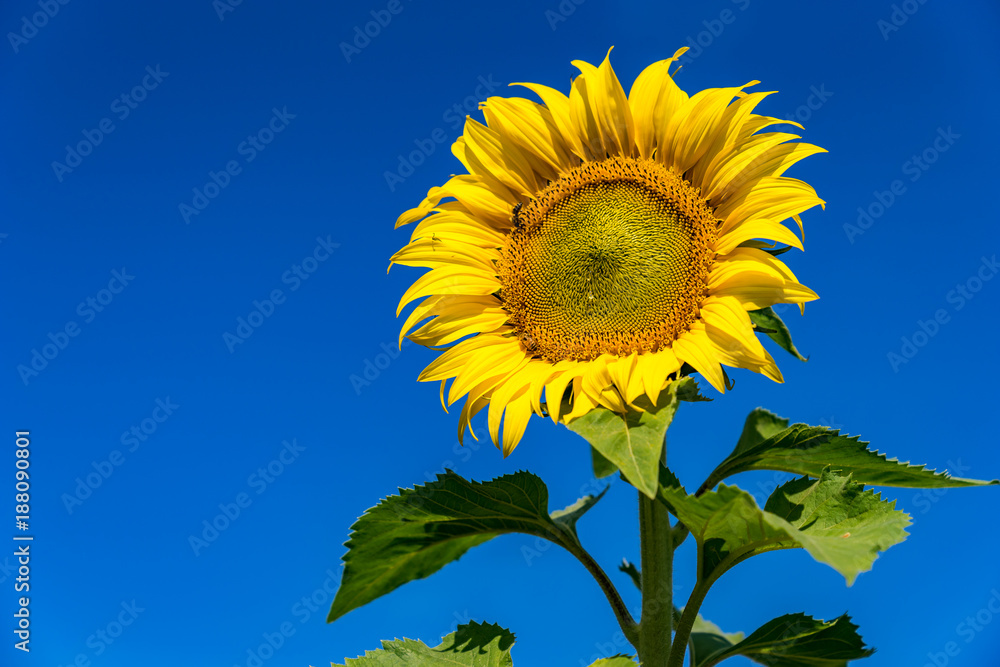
(887, 94)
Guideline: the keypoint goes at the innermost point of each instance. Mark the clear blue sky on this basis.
(287, 136)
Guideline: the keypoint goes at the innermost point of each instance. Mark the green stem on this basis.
(628, 625)
(657, 555)
(686, 622)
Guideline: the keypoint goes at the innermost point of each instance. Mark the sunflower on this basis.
(600, 245)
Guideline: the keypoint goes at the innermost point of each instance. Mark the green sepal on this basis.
(687, 390)
(471, 645)
(766, 247)
(793, 640)
(766, 444)
(416, 533)
(767, 321)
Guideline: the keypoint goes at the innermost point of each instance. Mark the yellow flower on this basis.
(599, 242)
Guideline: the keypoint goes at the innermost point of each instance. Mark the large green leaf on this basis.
(472, 645)
(767, 319)
(833, 518)
(633, 442)
(414, 534)
(793, 640)
(602, 466)
(807, 450)
(615, 661)
(760, 425)
(708, 639)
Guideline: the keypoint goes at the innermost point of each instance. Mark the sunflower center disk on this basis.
(611, 258)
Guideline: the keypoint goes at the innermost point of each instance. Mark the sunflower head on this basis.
(601, 243)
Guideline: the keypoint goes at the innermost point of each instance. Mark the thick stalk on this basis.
(657, 556)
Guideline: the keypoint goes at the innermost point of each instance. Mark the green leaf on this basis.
(839, 522)
(602, 466)
(687, 390)
(760, 425)
(766, 318)
(415, 534)
(633, 442)
(707, 639)
(807, 450)
(795, 640)
(567, 517)
(472, 645)
(833, 518)
(766, 247)
(615, 661)
(632, 571)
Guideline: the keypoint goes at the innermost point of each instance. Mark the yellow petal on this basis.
(690, 132)
(558, 105)
(608, 106)
(532, 128)
(654, 98)
(499, 159)
(459, 280)
(756, 229)
(699, 355)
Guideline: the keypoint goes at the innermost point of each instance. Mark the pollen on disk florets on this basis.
(613, 257)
